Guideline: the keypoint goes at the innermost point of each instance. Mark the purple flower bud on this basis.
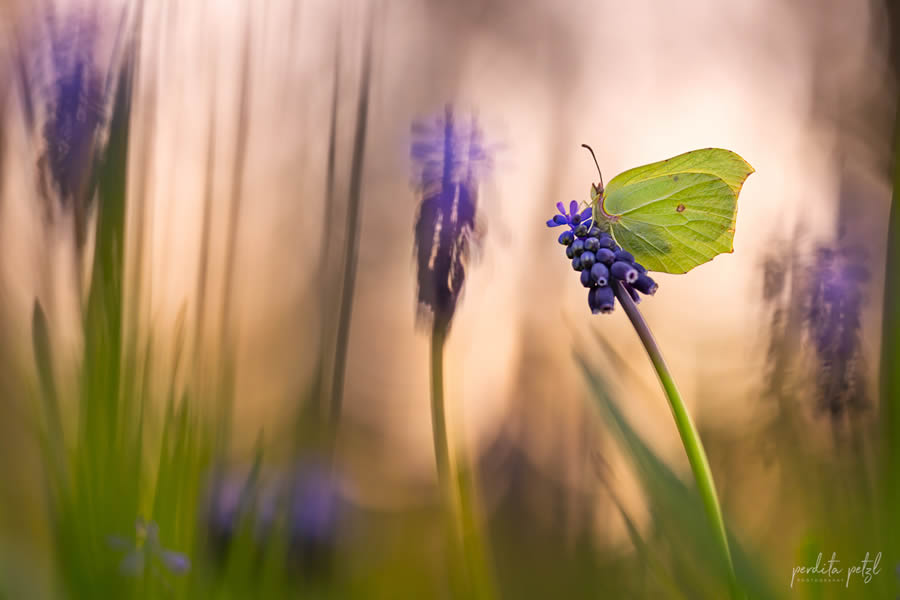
(591, 244)
(645, 285)
(605, 256)
(566, 238)
(623, 271)
(600, 274)
(587, 259)
(606, 241)
(586, 279)
(633, 293)
(601, 299)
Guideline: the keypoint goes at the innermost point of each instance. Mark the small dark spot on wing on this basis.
(674, 177)
(679, 208)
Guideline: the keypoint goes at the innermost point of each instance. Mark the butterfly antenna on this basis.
(591, 150)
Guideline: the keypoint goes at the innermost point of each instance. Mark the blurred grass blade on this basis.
(676, 507)
(43, 358)
(351, 236)
(890, 362)
(647, 553)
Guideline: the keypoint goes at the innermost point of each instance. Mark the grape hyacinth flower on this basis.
(449, 158)
(74, 101)
(602, 263)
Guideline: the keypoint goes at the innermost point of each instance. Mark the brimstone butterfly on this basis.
(675, 214)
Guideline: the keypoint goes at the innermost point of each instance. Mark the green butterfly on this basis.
(675, 214)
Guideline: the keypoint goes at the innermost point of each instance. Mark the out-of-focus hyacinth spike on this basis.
(75, 100)
(836, 280)
(449, 158)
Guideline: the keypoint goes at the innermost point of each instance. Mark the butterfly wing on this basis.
(676, 214)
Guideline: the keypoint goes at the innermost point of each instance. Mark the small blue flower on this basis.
(573, 218)
(145, 549)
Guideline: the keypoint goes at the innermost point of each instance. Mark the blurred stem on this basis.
(890, 358)
(690, 438)
(438, 417)
(457, 489)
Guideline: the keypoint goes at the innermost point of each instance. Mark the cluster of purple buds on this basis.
(601, 262)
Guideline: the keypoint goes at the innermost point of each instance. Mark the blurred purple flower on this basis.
(75, 110)
(226, 504)
(834, 294)
(308, 499)
(314, 505)
(449, 159)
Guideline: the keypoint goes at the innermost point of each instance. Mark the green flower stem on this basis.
(693, 446)
(438, 417)
(456, 488)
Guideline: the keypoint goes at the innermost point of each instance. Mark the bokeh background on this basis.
(266, 139)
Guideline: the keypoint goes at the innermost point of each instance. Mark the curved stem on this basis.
(690, 439)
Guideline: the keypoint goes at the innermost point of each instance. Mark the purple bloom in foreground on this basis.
(449, 158)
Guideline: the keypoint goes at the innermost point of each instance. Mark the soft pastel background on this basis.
(230, 133)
